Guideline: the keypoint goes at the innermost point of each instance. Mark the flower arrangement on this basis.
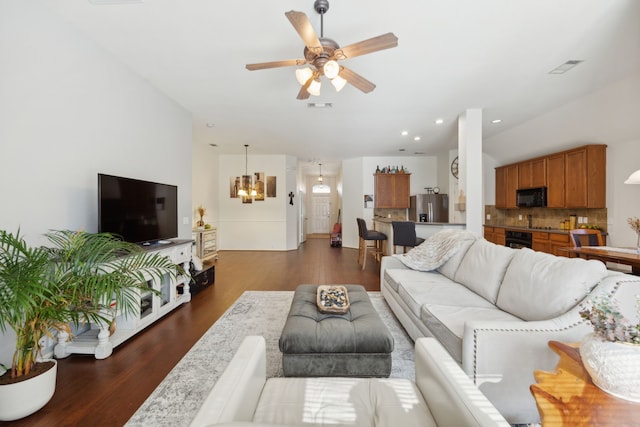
(634, 223)
(201, 211)
(608, 323)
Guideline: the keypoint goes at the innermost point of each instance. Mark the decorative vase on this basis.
(614, 367)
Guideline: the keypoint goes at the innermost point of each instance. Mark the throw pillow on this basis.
(436, 250)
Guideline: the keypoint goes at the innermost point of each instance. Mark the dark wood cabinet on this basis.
(555, 181)
(585, 177)
(574, 178)
(506, 186)
(495, 235)
(392, 190)
(532, 174)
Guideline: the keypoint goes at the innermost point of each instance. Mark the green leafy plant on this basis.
(74, 280)
(608, 322)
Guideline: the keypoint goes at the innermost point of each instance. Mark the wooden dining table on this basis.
(625, 256)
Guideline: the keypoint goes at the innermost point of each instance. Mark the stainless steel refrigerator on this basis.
(429, 208)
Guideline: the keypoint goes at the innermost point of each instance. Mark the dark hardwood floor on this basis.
(107, 392)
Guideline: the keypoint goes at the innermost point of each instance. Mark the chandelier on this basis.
(247, 189)
(320, 178)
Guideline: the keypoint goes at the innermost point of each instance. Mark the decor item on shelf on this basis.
(324, 53)
(201, 211)
(45, 289)
(635, 225)
(611, 354)
(634, 178)
(247, 189)
(320, 178)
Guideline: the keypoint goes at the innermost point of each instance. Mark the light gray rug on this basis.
(178, 397)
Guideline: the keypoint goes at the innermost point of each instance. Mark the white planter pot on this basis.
(26, 397)
(614, 367)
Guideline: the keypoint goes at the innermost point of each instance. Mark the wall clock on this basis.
(454, 167)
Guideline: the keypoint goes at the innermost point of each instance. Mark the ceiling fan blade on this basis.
(275, 64)
(304, 28)
(385, 41)
(356, 80)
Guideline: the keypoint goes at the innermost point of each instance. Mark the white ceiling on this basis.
(452, 55)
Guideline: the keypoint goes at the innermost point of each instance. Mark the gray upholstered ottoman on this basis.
(354, 344)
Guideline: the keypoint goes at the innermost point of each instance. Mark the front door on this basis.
(320, 214)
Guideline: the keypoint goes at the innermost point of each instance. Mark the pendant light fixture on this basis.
(247, 188)
(634, 178)
(320, 178)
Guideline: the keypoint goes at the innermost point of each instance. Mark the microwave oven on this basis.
(531, 197)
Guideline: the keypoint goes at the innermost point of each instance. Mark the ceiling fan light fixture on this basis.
(339, 83)
(314, 88)
(331, 69)
(303, 74)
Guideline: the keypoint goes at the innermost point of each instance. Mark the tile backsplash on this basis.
(543, 217)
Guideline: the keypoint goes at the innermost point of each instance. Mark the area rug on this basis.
(178, 397)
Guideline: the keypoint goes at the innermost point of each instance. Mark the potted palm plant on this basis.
(78, 278)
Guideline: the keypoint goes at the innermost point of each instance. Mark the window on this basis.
(321, 189)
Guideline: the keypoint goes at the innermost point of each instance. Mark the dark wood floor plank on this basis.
(107, 392)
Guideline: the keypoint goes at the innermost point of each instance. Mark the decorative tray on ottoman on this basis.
(332, 299)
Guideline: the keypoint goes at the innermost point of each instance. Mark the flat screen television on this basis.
(139, 211)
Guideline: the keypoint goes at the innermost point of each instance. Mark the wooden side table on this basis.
(568, 397)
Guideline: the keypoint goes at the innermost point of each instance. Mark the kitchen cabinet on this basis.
(585, 177)
(533, 173)
(495, 235)
(540, 241)
(506, 186)
(574, 178)
(392, 190)
(555, 181)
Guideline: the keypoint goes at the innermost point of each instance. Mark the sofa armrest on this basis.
(451, 396)
(235, 395)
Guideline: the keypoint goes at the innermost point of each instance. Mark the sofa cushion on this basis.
(483, 267)
(541, 286)
(446, 322)
(342, 402)
(436, 250)
(450, 267)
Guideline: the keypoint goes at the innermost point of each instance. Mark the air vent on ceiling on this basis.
(319, 105)
(563, 68)
(104, 2)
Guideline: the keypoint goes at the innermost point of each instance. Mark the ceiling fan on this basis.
(324, 53)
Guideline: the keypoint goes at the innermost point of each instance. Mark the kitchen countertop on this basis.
(533, 229)
(390, 220)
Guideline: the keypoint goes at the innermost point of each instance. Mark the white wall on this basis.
(608, 116)
(205, 182)
(67, 112)
(261, 225)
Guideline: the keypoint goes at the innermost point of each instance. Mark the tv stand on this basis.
(100, 340)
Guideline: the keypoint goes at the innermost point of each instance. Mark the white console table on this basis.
(172, 292)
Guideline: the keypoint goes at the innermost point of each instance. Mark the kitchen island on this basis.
(423, 229)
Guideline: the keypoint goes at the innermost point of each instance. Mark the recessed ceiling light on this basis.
(439, 121)
(401, 149)
(416, 138)
(101, 2)
(563, 68)
(404, 133)
(496, 121)
(213, 145)
(210, 125)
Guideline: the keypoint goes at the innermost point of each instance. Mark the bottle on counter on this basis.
(572, 221)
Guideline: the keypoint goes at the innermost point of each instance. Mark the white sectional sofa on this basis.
(495, 308)
(442, 395)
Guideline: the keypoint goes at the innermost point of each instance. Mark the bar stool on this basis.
(369, 236)
(404, 234)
